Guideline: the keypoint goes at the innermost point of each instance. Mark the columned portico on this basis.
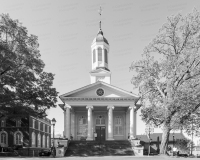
(132, 123)
(110, 122)
(90, 134)
(67, 128)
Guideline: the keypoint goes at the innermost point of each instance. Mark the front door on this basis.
(101, 133)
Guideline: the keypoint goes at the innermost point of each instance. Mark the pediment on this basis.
(91, 91)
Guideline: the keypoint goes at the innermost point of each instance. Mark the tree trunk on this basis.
(165, 139)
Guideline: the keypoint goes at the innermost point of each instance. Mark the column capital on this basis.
(132, 107)
(110, 107)
(89, 107)
(67, 106)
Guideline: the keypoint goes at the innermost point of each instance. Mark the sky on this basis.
(66, 29)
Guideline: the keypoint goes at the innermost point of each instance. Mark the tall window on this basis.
(94, 56)
(99, 54)
(82, 124)
(47, 141)
(18, 123)
(33, 139)
(39, 140)
(3, 123)
(105, 56)
(47, 129)
(18, 138)
(33, 123)
(38, 125)
(100, 120)
(118, 126)
(43, 141)
(44, 127)
(3, 138)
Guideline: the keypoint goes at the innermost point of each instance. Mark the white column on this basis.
(110, 122)
(67, 115)
(90, 134)
(132, 115)
(64, 123)
(135, 124)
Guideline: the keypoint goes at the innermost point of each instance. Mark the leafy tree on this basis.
(24, 87)
(168, 75)
(183, 145)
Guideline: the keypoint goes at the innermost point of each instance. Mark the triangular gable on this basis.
(90, 91)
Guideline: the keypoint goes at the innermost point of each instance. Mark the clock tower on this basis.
(100, 50)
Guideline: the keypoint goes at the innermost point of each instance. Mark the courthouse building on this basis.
(100, 111)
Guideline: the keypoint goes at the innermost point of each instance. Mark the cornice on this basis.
(98, 98)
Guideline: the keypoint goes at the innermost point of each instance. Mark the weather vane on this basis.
(100, 10)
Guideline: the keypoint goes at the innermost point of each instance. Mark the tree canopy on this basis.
(168, 75)
(24, 87)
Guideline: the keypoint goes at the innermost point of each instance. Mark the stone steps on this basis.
(93, 148)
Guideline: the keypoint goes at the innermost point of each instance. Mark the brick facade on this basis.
(22, 133)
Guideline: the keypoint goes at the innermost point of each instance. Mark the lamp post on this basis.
(149, 129)
(192, 137)
(53, 123)
(173, 140)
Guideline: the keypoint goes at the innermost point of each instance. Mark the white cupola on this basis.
(100, 50)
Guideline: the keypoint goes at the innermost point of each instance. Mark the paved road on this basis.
(98, 158)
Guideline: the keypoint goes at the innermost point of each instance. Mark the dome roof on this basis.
(100, 37)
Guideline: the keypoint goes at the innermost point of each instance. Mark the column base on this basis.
(89, 139)
(110, 139)
(132, 137)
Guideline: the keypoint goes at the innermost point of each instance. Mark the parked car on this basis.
(45, 152)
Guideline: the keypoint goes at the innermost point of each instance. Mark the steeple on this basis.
(100, 50)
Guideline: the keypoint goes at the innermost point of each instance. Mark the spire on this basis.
(100, 31)
(100, 10)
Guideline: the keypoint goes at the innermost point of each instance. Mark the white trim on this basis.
(1, 143)
(131, 95)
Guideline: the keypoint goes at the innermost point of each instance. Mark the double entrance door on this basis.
(100, 133)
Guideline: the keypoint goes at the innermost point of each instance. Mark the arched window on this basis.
(118, 126)
(94, 56)
(3, 138)
(105, 56)
(33, 139)
(3, 123)
(43, 141)
(99, 54)
(82, 126)
(18, 138)
(100, 120)
(39, 140)
(48, 142)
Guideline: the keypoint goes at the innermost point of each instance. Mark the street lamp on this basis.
(173, 140)
(53, 123)
(149, 129)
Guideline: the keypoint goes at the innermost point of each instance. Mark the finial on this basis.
(100, 10)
